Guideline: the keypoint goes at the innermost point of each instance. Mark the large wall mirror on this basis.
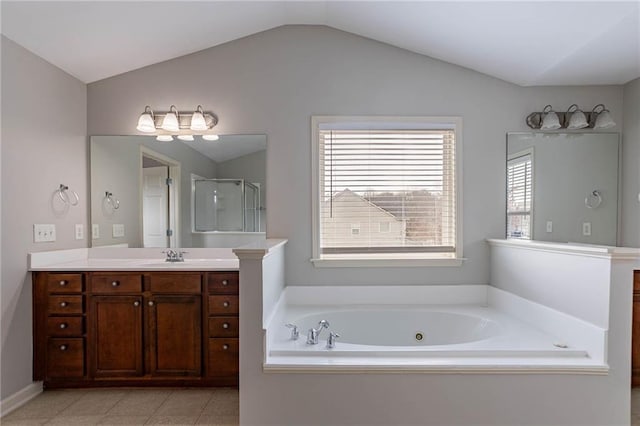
(563, 187)
(148, 193)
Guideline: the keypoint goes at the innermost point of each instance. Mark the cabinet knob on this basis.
(115, 283)
(63, 325)
(150, 302)
(136, 303)
(225, 347)
(225, 282)
(225, 304)
(63, 347)
(225, 325)
(63, 282)
(63, 304)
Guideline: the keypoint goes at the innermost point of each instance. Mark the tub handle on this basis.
(331, 340)
(295, 333)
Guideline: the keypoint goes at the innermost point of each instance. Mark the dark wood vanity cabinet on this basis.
(635, 332)
(136, 328)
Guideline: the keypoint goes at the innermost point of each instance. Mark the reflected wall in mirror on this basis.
(563, 187)
(152, 184)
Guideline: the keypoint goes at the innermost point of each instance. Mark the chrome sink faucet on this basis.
(314, 333)
(174, 255)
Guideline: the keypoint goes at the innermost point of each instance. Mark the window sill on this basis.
(400, 262)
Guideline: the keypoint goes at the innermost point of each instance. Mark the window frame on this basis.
(386, 259)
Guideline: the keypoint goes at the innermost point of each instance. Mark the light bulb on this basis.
(210, 137)
(164, 138)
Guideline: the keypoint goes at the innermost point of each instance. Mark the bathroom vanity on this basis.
(122, 323)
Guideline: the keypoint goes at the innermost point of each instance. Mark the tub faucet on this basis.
(331, 340)
(314, 333)
(294, 331)
(174, 255)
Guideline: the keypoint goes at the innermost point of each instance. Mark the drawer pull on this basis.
(225, 325)
(63, 282)
(115, 283)
(63, 304)
(225, 304)
(150, 302)
(225, 282)
(63, 325)
(136, 303)
(63, 347)
(225, 347)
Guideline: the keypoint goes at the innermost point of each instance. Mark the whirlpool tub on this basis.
(487, 335)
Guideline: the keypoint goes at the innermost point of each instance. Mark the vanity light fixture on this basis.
(176, 123)
(577, 119)
(146, 122)
(171, 121)
(603, 118)
(550, 120)
(198, 123)
(574, 118)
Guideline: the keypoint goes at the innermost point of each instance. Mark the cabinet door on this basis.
(175, 327)
(116, 336)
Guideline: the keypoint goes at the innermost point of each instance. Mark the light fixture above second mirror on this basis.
(165, 125)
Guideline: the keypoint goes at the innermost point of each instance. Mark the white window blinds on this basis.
(398, 185)
(519, 196)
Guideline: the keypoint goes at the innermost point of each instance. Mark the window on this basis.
(520, 195)
(396, 178)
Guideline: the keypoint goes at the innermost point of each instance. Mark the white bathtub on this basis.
(448, 337)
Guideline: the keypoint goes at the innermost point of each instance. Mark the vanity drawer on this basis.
(223, 327)
(223, 357)
(223, 305)
(176, 283)
(64, 283)
(223, 282)
(116, 283)
(65, 304)
(65, 358)
(64, 326)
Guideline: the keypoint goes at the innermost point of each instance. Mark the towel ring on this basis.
(111, 200)
(593, 200)
(72, 199)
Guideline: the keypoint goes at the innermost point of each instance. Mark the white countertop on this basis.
(125, 259)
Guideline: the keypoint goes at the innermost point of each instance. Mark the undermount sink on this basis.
(186, 262)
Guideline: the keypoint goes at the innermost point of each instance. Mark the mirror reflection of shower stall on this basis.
(226, 205)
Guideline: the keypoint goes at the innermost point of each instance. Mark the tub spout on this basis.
(314, 333)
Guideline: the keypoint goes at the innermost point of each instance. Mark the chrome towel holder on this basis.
(68, 196)
(111, 200)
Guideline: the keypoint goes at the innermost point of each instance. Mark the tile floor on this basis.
(210, 406)
(85, 407)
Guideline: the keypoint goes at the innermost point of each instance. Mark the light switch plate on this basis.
(118, 230)
(586, 229)
(44, 233)
(95, 231)
(79, 231)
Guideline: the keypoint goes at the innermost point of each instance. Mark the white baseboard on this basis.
(20, 398)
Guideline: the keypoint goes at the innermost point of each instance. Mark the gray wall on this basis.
(43, 145)
(273, 82)
(631, 165)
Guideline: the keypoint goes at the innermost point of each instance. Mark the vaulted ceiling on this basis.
(530, 43)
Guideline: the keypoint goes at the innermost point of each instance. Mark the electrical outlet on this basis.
(95, 231)
(44, 233)
(549, 226)
(586, 229)
(79, 231)
(117, 230)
